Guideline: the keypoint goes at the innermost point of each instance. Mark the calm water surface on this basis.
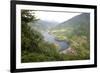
(61, 43)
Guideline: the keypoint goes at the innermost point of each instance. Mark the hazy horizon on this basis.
(58, 17)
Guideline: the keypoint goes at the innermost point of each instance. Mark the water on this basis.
(61, 43)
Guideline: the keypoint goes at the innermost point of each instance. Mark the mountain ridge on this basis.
(82, 18)
(42, 25)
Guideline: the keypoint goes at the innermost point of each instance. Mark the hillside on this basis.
(74, 26)
(77, 32)
(42, 25)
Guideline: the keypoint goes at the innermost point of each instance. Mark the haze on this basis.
(55, 16)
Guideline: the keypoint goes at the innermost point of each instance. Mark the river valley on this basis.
(52, 39)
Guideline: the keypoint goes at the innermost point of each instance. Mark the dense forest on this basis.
(35, 49)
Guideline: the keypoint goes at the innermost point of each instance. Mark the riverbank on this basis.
(62, 44)
(69, 50)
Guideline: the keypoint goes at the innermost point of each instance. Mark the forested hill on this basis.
(77, 25)
(77, 32)
(82, 19)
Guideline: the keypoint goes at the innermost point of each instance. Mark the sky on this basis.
(55, 16)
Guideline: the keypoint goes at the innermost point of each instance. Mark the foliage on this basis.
(77, 32)
(34, 48)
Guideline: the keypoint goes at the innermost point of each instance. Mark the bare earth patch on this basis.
(70, 51)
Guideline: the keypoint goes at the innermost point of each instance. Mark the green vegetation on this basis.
(35, 49)
(77, 32)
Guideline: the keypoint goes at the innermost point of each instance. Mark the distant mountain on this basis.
(76, 25)
(83, 18)
(42, 25)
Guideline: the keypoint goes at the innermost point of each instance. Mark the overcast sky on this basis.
(55, 16)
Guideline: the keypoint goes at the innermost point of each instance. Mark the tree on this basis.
(33, 47)
(29, 37)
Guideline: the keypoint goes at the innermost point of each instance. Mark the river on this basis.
(51, 38)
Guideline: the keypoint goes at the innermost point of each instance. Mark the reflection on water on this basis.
(50, 38)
